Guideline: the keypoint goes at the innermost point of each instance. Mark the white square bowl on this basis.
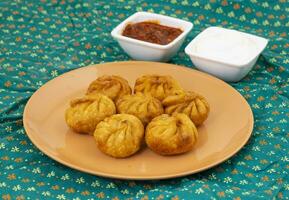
(141, 50)
(231, 69)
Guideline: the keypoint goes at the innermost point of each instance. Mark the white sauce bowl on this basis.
(225, 53)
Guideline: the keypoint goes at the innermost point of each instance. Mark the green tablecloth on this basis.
(40, 40)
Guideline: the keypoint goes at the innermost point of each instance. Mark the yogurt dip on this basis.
(227, 54)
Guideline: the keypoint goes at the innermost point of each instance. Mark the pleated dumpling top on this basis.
(157, 86)
(189, 103)
(112, 86)
(145, 107)
(120, 135)
(85, 113)
(170, 135)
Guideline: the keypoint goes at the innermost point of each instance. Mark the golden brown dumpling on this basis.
(111, 86)
(120, 135)
(170, 135)
(145, 107)
(158, 86)
(190, 103)
(85, 113)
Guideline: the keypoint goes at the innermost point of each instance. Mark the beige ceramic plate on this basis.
(226, 131)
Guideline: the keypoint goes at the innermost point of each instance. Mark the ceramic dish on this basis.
(222, 135)
(224, 53)
(141, 50)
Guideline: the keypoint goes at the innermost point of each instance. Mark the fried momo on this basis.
(158, 86)
(85, 113)
(112, 86)
(120, 135)
(190, 103)
(145, 107)
(171, 135)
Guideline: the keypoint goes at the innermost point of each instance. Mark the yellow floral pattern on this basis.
(40, 40)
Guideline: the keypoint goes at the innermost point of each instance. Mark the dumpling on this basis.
(85, 113)
(120, 135)
(145, 107)
(112, 86)
(171, 135)
(158, 86)
(190, 103)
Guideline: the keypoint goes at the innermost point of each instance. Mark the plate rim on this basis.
(134, 177)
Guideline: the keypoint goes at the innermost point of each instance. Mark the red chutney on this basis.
(151, 32)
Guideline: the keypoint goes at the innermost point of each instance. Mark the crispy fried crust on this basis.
(120, 135)
(158, 86)
(85, 113)
(145, 107)
(112, 86)
(171, 135)
(189, 103)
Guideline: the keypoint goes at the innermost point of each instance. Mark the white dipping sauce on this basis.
(226, 46)
(225, 53)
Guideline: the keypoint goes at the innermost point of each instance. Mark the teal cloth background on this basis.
(40, 40)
